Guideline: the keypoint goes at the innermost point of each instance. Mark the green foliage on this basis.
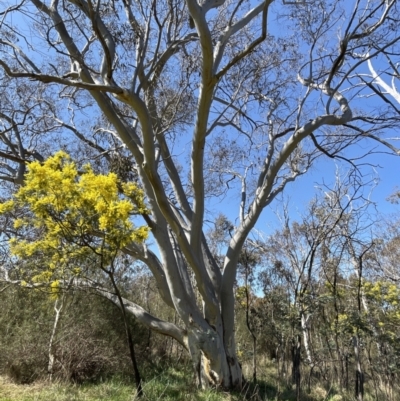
(24, 334)
(64, 217)
(90, 343)
(383, 292)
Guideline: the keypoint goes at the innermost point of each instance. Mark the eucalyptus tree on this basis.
(311, 257)
(20, 105)
(197, 101)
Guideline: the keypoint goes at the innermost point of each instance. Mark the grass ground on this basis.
(162, 383)
(169, 385)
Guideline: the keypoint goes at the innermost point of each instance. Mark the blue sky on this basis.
(382, 168)
(384, 174)
(303, 189)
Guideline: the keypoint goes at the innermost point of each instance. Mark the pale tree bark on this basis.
(161, 76)
(58, 308)
(306, 338)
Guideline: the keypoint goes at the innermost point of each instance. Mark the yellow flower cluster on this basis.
(73, 215)
(382, 291)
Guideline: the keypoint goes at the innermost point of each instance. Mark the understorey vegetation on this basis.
(317, 315)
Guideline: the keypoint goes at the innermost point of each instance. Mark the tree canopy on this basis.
(66, 219)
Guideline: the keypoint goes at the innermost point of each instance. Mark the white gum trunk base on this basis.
(212, 366)
(306, 341)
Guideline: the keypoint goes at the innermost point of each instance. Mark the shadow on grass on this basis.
(266, 391)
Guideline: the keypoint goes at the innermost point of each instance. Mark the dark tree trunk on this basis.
(359, 384)
(296, 348)
(138, 379)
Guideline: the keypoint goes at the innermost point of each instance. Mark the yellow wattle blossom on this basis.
(6, 206)
(55, 289)
(76, 217)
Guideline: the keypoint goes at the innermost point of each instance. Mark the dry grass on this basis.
(171, 384)
(45, 391)
(168, 386)
(11, 391)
